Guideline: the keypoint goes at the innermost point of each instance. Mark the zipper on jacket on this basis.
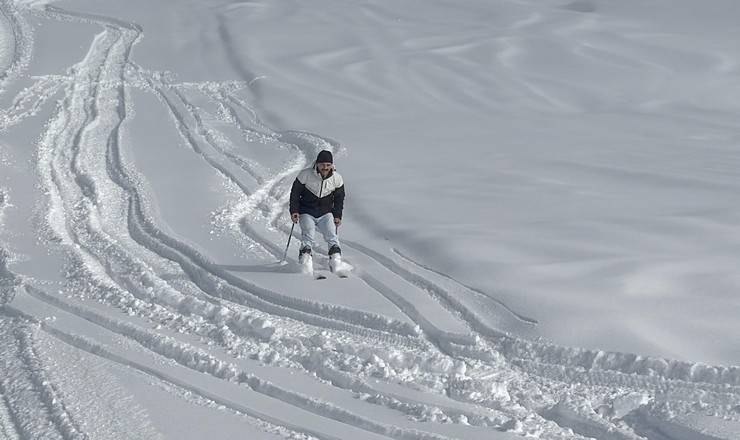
(321, 190)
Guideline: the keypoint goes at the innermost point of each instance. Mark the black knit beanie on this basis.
(325, 156)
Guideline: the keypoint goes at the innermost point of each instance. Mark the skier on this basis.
(316, 202)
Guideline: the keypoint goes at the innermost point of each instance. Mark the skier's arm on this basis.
(338, 202)
(295, 196)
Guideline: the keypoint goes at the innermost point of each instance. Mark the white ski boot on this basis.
(336, 265)
(335, 262)
(306, 261)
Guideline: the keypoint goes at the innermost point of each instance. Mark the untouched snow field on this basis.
(542, 213)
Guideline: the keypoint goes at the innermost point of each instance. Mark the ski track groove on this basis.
(89, 346)
(522, 318)
(9, 282)
(338, 378)
(706, 377)
(60, 417)
(189, 137)
(8, 427)
(28, 102)
(207, 134)
(77, 206)
(437, 293)
(610, 368)
(198, 360)
(34, 404)
(434, 333)
(22, 43)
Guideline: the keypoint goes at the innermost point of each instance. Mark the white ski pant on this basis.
(325, 225)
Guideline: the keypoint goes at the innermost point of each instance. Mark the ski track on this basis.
(7, 425)
(443, 275)
(120, 255)
(105, 408)
(204, 362)
(32, 401)
(22, 36)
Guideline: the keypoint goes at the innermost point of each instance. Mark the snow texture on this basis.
(541, 229)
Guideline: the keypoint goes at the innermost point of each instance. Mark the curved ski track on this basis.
(185, 308)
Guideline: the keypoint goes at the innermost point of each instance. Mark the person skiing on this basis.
(316, 202)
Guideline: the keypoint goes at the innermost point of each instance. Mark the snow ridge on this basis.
(159, 304)
(22, 36)
(204, 362)
(32, 401)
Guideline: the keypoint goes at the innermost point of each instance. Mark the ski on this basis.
(343, 273)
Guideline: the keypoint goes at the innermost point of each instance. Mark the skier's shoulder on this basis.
(304, 175)
(338, 180)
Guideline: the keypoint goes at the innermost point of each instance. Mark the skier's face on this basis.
(324, 168)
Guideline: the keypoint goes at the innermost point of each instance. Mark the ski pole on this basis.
(285, 255)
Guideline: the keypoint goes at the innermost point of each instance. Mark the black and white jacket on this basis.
(314, 195)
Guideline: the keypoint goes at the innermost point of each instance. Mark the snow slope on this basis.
(541, 216)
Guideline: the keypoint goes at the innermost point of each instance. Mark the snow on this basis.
(541, 219)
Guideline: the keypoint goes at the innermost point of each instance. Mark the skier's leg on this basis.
(328, 229)
(308, 227)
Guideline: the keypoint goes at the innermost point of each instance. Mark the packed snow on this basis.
(541, 216)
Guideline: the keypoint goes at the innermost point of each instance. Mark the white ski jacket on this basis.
(314, 195)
